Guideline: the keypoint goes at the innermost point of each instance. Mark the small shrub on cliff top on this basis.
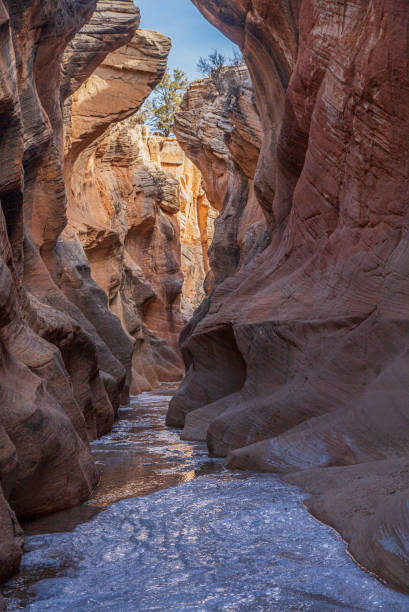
(214, 67)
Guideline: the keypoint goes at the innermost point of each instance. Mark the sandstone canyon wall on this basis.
(122, 214)
(297, 361)
(220, 130)
(130, 193)
(66, 359)
(196, 219)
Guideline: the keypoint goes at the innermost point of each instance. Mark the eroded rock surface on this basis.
(196, 218)
(318, 321)
(128, 189)
(125, 192)
(34, 420)
(131, 191)
(220, 130)
(100, 201)
(62, 368)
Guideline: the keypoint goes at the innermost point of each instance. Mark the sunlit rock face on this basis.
(196, 218)
(100, 206)
(135, 199)
(317, 323)
(127, 226)
(123, 211)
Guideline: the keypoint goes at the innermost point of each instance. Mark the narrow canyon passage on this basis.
(204, 289)
(192, 537)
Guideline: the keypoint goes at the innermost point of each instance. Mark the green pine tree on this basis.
(159, 111)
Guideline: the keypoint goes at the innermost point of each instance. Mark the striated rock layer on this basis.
(220, 130)
(195, 218)
(65, 360)
(44, 456)
(128, 192)
(115, 226)
(298, 360)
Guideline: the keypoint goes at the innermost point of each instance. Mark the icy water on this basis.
(187, 536)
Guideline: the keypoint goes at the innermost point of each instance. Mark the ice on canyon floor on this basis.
(224, 541)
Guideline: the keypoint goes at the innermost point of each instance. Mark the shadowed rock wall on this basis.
(219, 128)
(319, 318)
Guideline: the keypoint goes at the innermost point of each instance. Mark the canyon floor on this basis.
(170, 529)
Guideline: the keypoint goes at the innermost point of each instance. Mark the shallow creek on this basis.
(169, 529)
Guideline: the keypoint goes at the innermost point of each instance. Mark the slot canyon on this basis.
(202, 334)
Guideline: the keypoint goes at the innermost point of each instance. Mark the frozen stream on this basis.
(187, 536)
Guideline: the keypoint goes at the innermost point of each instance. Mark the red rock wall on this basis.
(60, 382)
(128, 192)
(38, 410)
(90, 270)
(320, 316)
(125, 219)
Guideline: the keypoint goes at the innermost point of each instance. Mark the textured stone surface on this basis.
(320, 316)
(131, 238)
(107, 44)
(131, 190)
(112, 25)
(115, 90)
(220, 130)
(95, 373)
(66, 359)
(12, 541)
(43, 434)
(121, 211)
(196, 219)
(60, 383)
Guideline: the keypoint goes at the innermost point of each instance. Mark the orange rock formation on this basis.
(196, 219)
(65, 358)
(129, 192)
(121, 213)
(90, 265)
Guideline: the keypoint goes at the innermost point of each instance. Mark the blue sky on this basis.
(192, 36)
